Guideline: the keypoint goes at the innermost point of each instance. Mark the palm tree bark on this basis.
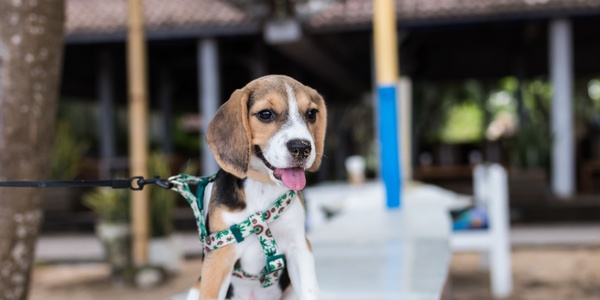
(31, 46)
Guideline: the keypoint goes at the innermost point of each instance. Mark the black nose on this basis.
(300, 149)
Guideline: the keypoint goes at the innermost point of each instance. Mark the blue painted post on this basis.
(386, 67)
(388, 137)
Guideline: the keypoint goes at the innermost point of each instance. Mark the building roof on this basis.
(107, 19)
(354, 13)
(101, 19)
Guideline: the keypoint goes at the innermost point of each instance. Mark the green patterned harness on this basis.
(256, 223)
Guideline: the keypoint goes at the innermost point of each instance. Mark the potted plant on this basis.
(112, 228)
(165, 248)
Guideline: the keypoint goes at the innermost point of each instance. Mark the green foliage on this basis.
(67, 153)
(162, 202)
(450, 112)
(537, 96)
(532, 143)
(111, 205)
(593, 90)
(531, 146)
(587, 104)
(464, 124)
(185, 139)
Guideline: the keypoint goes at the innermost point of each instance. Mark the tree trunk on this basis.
(31, 44)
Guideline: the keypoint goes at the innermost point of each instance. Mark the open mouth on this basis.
(292, 178)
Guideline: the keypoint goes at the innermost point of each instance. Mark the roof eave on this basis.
(164, 34)
(458, 20)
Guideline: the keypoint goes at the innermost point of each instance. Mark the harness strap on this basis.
(256, 223)
(238, 232)
(181, 184)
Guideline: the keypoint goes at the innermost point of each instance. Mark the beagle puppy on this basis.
(264, 138)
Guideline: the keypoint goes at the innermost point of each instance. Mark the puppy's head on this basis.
(274, 125)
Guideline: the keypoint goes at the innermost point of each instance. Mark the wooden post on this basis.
(386, 69)
(138, 124)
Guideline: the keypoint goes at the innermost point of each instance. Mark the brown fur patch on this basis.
(216, 218)
(218, 263)
(228, 135)
(216, 267)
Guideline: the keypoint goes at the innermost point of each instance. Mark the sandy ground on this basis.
(539, 273)
(91, 281)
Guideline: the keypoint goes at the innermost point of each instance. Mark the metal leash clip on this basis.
(137, 183)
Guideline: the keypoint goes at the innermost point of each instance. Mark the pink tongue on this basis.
(293, 178)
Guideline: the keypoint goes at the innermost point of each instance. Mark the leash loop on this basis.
(137, 183)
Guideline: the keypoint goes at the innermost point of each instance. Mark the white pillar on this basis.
(208, 67)
(500, 260)
(561, 74)
(405, 116)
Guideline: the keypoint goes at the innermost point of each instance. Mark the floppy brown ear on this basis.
(320, 129)
(228, 135)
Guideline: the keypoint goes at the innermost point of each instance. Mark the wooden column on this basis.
(138, 128)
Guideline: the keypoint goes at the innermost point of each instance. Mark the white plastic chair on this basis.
(491, 191)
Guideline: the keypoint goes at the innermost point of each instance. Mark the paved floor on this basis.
(85, 247)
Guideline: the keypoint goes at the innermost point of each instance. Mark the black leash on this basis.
(135, 183)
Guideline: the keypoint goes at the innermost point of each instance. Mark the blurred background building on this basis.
(509, 81)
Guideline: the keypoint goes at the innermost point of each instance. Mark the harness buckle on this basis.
(237, 234)
(274, 263)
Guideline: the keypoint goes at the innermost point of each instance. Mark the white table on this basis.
(369, 252)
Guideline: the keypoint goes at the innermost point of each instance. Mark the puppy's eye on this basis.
(311, 115)
(266, 115)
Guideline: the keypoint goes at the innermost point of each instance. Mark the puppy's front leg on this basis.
(301, 266)
(216, 272)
